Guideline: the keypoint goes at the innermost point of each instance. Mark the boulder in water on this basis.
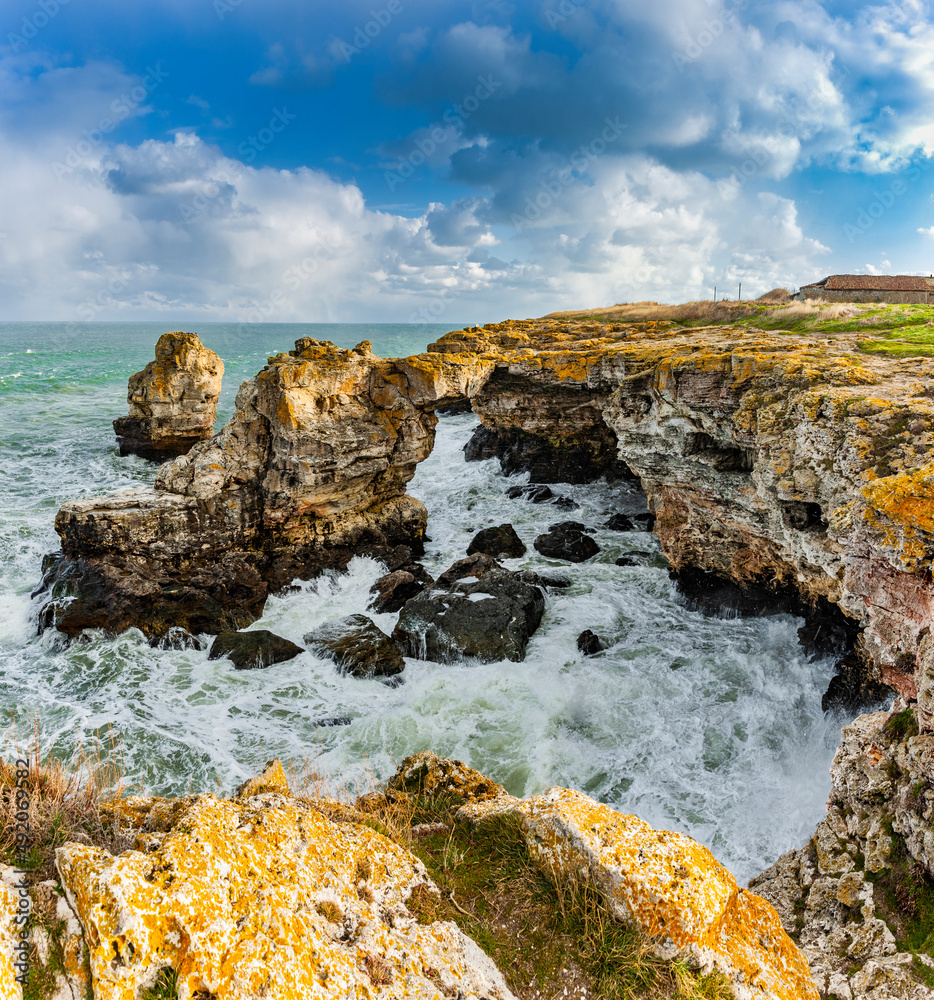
(477, 566)
(620, 522)
(500, 541)
(567, 541)
(390, 592)
(253, 650)
(173, 400)
(589, 643)
(358, 646)
(491, 619)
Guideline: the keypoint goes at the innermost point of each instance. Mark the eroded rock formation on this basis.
(310, 470)
(794, 462)
(173, 400)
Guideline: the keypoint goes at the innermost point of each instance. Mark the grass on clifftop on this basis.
(897, 330)
(548, 939)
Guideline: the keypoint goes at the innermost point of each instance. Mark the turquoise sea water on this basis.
(707, 725)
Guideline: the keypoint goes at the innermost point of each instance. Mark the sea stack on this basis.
(173, 400)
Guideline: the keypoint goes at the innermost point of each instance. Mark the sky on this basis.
(453, 160)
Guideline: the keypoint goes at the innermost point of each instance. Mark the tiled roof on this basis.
(875, 283)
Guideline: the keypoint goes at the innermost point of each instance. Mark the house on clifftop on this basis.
(870, 288)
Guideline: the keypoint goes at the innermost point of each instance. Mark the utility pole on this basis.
(740, 296)
(715, 293)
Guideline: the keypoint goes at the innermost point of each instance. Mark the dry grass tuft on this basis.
(775, 295)
(701, 313)
(64, 804)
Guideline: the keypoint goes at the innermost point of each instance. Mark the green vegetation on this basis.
(902, 725)
(543, 935)
(164, 988)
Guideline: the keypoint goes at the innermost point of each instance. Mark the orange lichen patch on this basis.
(10, 989)
(425, 773)
(901, 511)
(272, 779)
(669, 886)
(235, 898)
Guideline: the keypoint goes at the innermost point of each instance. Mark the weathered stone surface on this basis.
(253, 650)
(173, 400)
(358, 646)
(425, 773)
(265, 896)
(568, 541)
(309, 471)
(390, 592)
(492, 619)
(476, 566)
(621, 522)
(500, 542)
(670, 887)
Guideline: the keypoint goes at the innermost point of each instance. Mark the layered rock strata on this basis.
(784, 460)
(789, 461)
(173, 400)
(310, 470)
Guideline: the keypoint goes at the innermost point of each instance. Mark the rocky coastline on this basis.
(781, 471)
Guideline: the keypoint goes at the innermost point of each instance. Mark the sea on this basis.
(709, 725)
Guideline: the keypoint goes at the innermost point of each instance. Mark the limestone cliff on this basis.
(792, 461)
(310, 470)
(173, 400)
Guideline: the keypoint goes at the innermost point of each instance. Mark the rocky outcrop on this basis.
(491, 619)
(794, 462)
(684, 903)
(173, 400)
(310, 470)
(783, 460)
(358, 646)
(855, 896)
(264, 895)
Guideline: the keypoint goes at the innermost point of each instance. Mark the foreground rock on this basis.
(253, 650)
(264, 896)
(673, 890)
(309, 471)
(567, 541)
(173, 400)
(358, 646)
(491, 619)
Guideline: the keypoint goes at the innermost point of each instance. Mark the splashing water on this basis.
(702, 724)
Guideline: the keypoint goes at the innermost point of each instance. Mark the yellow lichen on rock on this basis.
(10, 989)
(667, 885)
(265, 896)
(272, 779)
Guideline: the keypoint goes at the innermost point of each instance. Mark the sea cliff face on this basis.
(790, 461)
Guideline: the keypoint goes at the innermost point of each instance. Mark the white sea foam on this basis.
(707, 725)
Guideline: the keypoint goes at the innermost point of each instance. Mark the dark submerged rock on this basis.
(253, 650)
(567, 541)
(620, 522)
(633, 559)
(533, 492)
(490, 619)
(589, 643)
(358, 646)
(501, 540)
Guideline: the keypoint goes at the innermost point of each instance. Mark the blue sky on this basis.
(409, 160)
